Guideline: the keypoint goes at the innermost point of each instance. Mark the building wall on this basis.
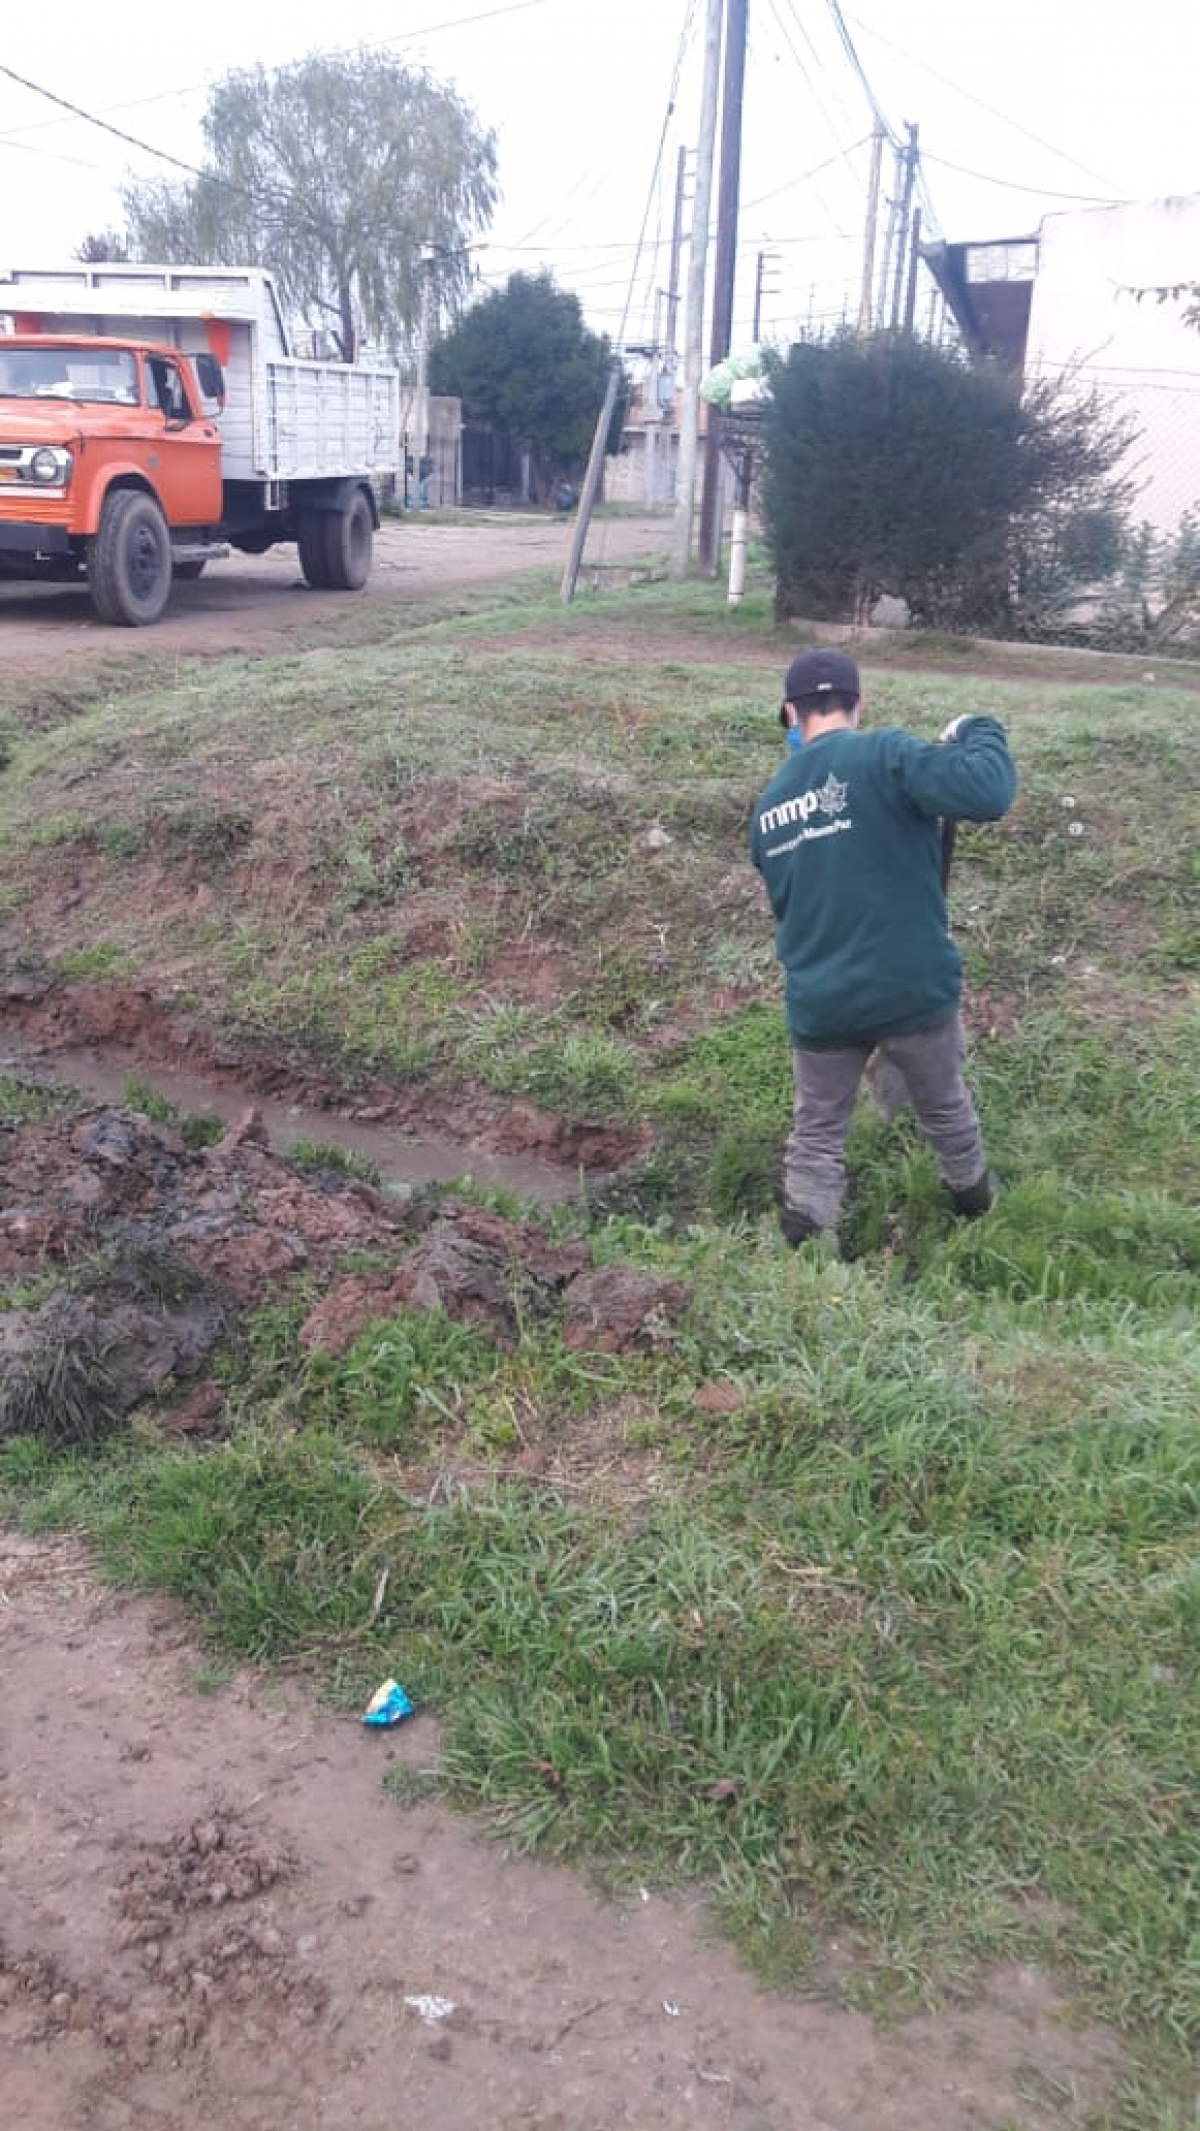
(1139, 353)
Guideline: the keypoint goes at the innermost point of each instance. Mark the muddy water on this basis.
(402, 1161)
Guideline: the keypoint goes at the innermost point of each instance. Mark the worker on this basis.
(848, 838)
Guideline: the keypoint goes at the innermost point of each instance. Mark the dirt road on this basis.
(256, 603)
(213, 1918)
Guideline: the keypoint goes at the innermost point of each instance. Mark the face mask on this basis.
(795, 738)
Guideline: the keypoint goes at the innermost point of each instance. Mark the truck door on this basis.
(184, 459)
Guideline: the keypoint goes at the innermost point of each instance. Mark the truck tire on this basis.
(188, 572)
(310, 539)
(129, 560)
(349, 537)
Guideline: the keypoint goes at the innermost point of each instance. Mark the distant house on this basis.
(1068, 296)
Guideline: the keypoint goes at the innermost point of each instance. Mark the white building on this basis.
(1074, 297)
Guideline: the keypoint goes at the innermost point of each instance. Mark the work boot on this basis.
(798, 1227)
(975, 1198)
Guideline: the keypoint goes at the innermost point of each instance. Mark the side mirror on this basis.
(211, 378)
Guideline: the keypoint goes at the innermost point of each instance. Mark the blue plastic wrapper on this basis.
(388, 1705)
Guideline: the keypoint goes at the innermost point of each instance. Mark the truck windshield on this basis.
(68, 373)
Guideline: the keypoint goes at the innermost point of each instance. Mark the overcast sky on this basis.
(1040, 99)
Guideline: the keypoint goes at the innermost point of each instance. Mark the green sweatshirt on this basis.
(847, 838)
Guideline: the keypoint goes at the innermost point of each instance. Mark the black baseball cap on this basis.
(821, 673)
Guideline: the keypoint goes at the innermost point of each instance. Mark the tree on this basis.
(335, 172)
(101, 245)
(897, 467)
(523, 359)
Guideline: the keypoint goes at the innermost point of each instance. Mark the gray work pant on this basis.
(929, 1063)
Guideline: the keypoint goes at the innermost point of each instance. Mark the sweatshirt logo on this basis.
(829, 799)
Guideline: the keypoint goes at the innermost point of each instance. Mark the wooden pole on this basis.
(591, 486)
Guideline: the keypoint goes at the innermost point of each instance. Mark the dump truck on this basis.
(153, 418)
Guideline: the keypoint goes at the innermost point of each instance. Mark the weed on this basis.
(25, 1102)
(194, 1128)
(320, 1158)
(59, 1391)
(79, 965)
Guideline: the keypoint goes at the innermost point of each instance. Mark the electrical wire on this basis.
(1037, 192)
(90, 119)
(820, 64)
(668, 114)
(848, 46)
(982, 102)
(785, 33)
(197, 88)
(803, 178)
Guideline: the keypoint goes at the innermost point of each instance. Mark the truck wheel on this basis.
(188, 572)
(310, 539)
(349, 536)
(129, 560)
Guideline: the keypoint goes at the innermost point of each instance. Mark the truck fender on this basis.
(118, 476)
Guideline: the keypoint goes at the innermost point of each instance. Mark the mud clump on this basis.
(127, 1258)
(215, 1864)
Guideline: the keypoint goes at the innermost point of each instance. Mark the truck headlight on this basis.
(51, 464)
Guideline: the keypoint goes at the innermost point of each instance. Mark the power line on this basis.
(970, 96)
(804, 176)
(427, 29)
(90, 119)
(1038, 192)
(848, 46)
(681, 54)
(843, 152)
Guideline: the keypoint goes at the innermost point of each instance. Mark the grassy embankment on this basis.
(903, 1638)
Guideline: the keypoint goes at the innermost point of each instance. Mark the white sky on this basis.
(577, 94)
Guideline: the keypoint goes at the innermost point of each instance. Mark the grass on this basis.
(195, 1131)
(869, 1599)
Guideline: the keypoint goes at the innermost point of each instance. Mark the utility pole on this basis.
(865, 313)
(591, 485)
(911, 155)
(685, 493)
(914, 261)
(760, 289)
(724, 269)
(424, 336)
(889, 242)
(676, 255)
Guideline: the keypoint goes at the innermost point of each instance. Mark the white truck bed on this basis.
(285, 419)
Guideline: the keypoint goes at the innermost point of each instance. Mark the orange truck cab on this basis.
(132, 458)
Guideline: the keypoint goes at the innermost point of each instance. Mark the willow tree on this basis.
(351, 176)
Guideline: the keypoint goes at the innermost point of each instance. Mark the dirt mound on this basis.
(129, 1257)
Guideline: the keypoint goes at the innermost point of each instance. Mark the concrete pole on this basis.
(889, 243)
(672, 342)
(906, 201)
(724, 270)
(424, 337)
(914, 261)
(739, 536)
(865, 311)
(689, 419)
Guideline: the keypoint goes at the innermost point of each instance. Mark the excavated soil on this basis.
(213, 1918)
(130, 1257)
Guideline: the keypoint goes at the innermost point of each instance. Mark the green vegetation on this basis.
(196, 1131)
(869, 1597)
